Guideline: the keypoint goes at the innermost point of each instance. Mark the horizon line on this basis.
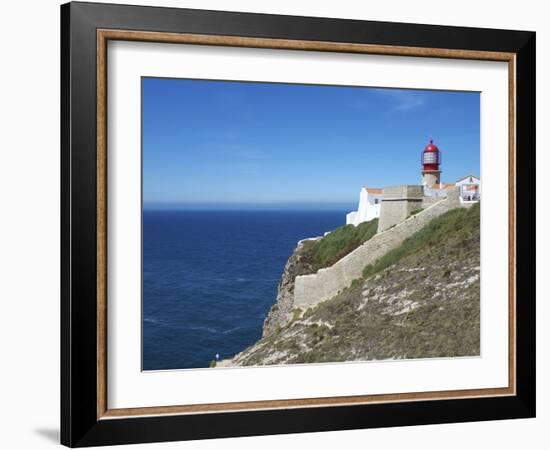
(319, 206)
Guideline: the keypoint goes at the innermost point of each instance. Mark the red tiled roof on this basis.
(373, 190)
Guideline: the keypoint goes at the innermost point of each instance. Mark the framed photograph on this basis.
(277, 224)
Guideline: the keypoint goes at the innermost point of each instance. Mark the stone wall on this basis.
(429, 201)
(326, 283)
(398, 203)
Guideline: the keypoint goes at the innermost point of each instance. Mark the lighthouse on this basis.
(431, 159)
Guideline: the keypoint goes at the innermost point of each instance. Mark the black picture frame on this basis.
(80, 425)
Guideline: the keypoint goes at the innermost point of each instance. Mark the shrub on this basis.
(435, 233)
(337, 244)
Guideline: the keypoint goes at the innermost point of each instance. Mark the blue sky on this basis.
(218, 144)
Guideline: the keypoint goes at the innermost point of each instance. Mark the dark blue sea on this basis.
(210, 277)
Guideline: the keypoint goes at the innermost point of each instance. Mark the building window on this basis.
(376, 201)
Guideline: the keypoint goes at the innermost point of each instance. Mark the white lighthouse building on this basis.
(369, 206)
(370, 199)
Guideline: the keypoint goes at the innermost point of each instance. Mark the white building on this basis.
(371, 198)
(369, 206)
(470, 189)
(438, 190)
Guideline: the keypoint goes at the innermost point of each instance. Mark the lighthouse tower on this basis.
(431, 159)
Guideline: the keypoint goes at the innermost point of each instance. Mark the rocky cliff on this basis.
(419, 300)
(281, 311)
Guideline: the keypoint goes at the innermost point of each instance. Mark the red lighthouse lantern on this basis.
(431, 159)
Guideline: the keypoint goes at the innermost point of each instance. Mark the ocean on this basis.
(210, 277)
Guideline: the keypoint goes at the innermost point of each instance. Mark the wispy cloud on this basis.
(407, 101)
(389, 100)
(401, 100)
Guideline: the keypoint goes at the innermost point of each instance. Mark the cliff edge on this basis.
(281, 311)
(419, 300)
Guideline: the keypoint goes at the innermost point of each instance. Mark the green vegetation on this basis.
(433, 329)
(337, 244)
(456, 224)
(296, 313)
(307, 313)
(423, 303)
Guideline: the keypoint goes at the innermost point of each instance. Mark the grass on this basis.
(296, 314)
(458, 222)
(364, 322)
(337, 244)
(437, 328)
